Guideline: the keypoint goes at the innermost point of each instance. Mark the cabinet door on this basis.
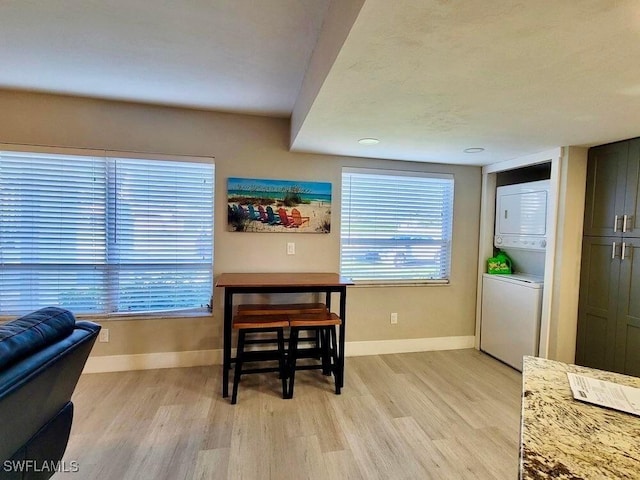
(627, 356)
(631, 225)
(598, 302)
(605, 195)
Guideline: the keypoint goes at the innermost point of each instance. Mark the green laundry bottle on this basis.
(501, 263)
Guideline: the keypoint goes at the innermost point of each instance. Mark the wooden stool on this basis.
(284, 309)
(254, 324)
(326, 324)
(281, 308)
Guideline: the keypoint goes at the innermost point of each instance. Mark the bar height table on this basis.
(239, 283)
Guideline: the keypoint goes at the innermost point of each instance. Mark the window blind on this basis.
(396, 226)
(52, 232)
(98, 235)
(160, 234)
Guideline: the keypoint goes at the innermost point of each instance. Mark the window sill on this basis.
(196, 313)
(425, 283)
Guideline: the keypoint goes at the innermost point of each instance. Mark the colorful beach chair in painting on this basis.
(263, 214)
(253, 215)
(285, 219)
(241, 211)
(272, 218)
(298, 219)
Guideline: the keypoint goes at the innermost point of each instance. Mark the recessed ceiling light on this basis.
(474, 150)
(368, 141)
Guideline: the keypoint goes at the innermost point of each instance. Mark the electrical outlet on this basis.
(291, 248)
(394, 318)
(103, 337)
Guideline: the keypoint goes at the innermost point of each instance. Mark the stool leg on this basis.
(318, 340)
(238, 366)
(281, 362)
(326, 350)
(293, 349)
(337, 363)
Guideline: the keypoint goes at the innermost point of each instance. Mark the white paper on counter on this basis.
(606, 394)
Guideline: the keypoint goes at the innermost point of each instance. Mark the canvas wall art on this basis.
(265, 205)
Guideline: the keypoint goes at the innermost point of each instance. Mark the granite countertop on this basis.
(562, 438)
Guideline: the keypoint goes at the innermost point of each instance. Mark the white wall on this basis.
(249, 146)
(566, 286)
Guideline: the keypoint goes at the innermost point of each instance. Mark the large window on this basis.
(396, 226)
(99, 234)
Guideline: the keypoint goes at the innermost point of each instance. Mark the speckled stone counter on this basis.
(566, 439)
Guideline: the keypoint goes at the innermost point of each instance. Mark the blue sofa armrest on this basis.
(37, 381)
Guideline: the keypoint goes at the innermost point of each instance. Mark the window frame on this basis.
(106, 156)
(449, 242)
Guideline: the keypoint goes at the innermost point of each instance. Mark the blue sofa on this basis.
(41, 358)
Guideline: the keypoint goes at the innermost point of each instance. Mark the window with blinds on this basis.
(104, 235)
(396, 227)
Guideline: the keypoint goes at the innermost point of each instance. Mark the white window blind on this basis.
(104, 235)
(396, 226)
(160, 234)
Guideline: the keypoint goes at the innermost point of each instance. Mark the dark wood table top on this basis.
(282, 280)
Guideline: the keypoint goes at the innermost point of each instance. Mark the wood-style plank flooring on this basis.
(446, 415)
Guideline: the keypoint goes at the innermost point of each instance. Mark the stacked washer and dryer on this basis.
(512, 303)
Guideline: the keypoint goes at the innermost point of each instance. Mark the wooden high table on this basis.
(238, 283)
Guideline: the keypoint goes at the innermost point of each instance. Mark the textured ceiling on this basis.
(243, 56)
(429, 78)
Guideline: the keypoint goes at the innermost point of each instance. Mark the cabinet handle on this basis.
(624, 224)
(615, 224)
(613, 250)
(624, 247)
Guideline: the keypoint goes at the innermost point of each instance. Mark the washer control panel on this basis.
(519, 241)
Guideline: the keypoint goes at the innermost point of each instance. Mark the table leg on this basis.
(343, 316)
(327, 302)
(226, 341)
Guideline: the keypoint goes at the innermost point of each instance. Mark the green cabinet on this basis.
(608, 335)
(627, 348)
(597, 309)
(612, 198)
(631, 214)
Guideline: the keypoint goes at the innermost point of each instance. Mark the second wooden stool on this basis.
(331, 359)
(245, 324)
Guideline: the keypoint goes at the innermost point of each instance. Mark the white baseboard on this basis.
(148, 361)
(381, 347)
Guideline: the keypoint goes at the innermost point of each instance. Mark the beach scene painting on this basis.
(265, 205)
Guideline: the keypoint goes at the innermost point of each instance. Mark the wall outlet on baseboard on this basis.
(394, 318)
(103, 336)
(291, 248)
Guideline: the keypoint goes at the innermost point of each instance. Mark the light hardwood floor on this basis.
(450, 415)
